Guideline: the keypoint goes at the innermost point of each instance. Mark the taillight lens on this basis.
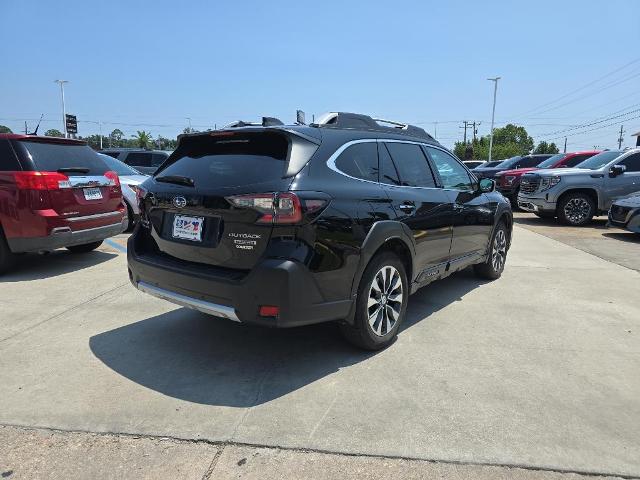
(114, 180)
(41, 180)
(283, 208)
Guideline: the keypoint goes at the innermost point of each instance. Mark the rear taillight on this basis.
(114, 180)
(41, 180)
(282, 208)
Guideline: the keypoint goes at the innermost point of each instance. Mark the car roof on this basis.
(42, 139)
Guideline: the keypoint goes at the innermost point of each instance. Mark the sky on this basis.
(137, 65)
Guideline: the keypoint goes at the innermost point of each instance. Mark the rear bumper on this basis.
(64, 237)
(536, 204)
(286, 284)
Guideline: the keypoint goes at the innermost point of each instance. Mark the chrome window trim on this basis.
(331, 162)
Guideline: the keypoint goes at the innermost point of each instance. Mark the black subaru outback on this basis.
(335, 221)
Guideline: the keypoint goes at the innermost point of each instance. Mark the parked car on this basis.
(471, 164)
(508, 181)
(292, 225)
(130, 179)
(487, 164)
(145, 161)
(519, 161)
(575, 195)
(55, 193)
(625, 213)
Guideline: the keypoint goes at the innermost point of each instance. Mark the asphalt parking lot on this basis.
(537, 370)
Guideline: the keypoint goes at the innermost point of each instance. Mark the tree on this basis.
(544, 147)
(52, 132)
(163, 143)
(143, 138)
(4, 129)
(508, 141)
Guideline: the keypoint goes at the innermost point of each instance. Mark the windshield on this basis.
(600, 160)
(549, 162)
(119, 167)
(508, 162)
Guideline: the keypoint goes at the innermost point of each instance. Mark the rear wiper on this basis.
(178, 179)
(74, 169)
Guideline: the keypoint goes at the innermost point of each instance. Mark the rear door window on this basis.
(230, 161)
(388, 172)
(50, 157)
(360, 161)
(138, 159)
(411, 164)
(8, 160)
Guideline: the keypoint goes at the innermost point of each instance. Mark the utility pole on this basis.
(64, 111)
(475, 130)
(565, 145)
(620, 138)
(190, 129)
(435, 130)
(493, 111)
(466, 125)
(100, 127)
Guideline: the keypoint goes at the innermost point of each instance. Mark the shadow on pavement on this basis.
(194, 357)
(624, 236)
(31, 266)
(599, 223)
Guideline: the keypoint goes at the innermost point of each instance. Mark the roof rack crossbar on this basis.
(392, 122)
(359, 121)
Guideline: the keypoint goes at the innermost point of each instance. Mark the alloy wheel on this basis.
(577, 210)
(385, 300)
(499, 251)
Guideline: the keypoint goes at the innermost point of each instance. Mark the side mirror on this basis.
(616, 170)
(487, 185)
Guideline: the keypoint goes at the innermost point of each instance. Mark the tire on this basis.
(7, 258)
(384, 281)
(493, 267)
(87, 247)
(576, 209)
(545, 214)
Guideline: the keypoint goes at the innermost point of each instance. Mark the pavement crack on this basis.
(53, 317)
(214, 462)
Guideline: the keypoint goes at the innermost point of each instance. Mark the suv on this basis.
(508, 181)
(512, 163)
(55, 193)
(145, 161)
(292, 225)
(575, 195)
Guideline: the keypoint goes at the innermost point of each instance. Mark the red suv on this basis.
(508, 181)
(55, 193)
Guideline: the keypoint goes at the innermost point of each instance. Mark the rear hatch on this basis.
(220, 194)
(70, 178)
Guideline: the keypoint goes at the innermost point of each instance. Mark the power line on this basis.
(603, 119)
(593, 129)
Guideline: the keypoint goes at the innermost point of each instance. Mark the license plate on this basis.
(188, 228)
(92, 194)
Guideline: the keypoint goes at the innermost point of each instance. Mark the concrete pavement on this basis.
(538, 369)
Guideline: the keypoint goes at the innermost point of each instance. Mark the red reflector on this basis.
(41, 180)
(269, 311)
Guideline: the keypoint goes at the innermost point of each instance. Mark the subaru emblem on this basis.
(179, 202)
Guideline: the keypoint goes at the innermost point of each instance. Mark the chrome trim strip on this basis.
(94, 217)
(189, 302)
(89, 181)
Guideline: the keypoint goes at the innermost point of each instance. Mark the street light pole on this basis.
(493, 111)
(190, 129)
(64, 112)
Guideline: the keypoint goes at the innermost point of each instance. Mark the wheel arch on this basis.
(592, 192)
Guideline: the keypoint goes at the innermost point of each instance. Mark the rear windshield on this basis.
(119, 167)
(493, 163)
(549, 162)
(600, 160)
(229, 161)
(50, 157)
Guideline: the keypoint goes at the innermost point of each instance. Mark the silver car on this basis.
(130, 178)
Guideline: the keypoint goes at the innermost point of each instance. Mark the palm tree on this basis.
(144, 138)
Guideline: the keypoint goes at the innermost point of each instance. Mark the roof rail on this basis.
(266, 122)
(359, 121)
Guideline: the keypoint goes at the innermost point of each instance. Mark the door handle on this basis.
(407, 207)
(458, 207)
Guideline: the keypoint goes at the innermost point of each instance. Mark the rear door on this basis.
(474, 213)
(86, 190)
(212, 202)
(409, 182)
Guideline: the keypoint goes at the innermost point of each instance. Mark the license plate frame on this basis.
(92, 193)
(187, 227)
